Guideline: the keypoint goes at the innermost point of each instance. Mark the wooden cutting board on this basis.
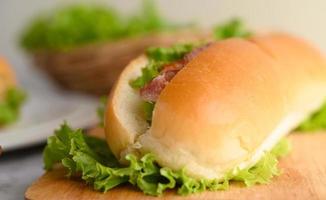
(303, 177)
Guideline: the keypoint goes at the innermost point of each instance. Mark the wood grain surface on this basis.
(303, 177)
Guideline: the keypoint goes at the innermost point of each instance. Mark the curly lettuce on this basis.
(233, 28)
(316, 122)
(92, 159)
(10, 106)
(80, 24)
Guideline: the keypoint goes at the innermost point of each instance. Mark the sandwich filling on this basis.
(151, 91)
(163, 65)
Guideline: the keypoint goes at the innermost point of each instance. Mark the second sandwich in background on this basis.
(11, 96)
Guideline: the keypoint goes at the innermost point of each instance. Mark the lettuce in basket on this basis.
(81, 24)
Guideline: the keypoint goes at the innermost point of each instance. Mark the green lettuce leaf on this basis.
(91, 159)
(10, 106)
(233, 28)
(315, 122)
(150, 71)
(80, 24)
(148, 110)
(148, 20)
(101, 109)
(169, 54)
(266, 168)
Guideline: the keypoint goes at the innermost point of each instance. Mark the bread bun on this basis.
(7, 77)
(224, 109)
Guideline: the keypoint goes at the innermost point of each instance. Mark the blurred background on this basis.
(68, 81)
(301, 17)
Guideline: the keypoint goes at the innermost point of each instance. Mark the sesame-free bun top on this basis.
(7, 77)
(224, 109)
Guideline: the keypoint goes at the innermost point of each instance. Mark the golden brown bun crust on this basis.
(300, 62)
(218, 108)
(231, 103)
(7, 77)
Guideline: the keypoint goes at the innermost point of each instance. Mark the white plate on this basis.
(43, 113)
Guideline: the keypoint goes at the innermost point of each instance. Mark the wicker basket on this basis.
(94, 68)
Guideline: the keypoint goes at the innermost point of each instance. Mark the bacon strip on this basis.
(152, 90)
